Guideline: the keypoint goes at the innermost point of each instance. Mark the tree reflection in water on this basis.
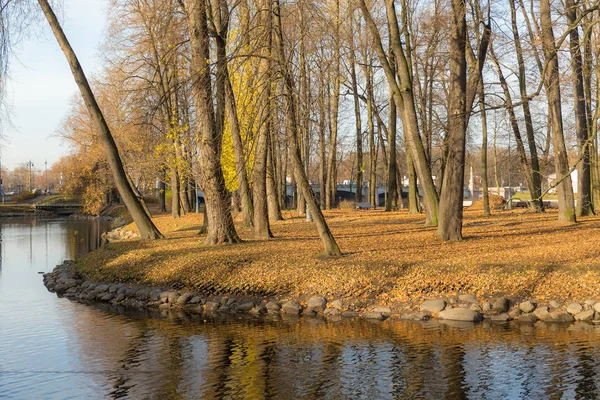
(178, 356)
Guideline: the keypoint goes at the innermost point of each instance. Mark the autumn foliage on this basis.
(392, 257)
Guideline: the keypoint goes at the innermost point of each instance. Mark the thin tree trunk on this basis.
(329, 243)
(414, 203)
(358, 118)
(142, 220)
(238, 149)
(392, 198)
(524, 160)
(331, 159)
(484, 150)
(175, 204)
(535, 189)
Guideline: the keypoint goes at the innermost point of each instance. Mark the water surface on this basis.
(52, 348)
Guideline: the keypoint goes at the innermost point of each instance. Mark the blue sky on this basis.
(41, 87)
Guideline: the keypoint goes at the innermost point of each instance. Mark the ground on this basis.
(390, 257)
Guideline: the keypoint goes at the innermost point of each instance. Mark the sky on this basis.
(41, 87)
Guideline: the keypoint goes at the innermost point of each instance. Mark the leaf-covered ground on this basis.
(391, 257)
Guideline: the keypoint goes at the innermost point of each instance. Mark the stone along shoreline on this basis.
(66, 281)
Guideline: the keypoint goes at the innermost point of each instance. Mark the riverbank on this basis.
(390, 260)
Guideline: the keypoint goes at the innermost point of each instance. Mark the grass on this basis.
(391, 257)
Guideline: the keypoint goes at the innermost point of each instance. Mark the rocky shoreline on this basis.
(65, 281)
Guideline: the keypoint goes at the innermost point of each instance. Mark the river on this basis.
(52, 348)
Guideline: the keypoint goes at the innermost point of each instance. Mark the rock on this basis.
(486, 306)
(245, 307)
(120, 297)
(332, 312)
(196, 300)
(258, 310)
(467, 298)
(107, 297)
(554, 304)
(374, 315)
(597, 307)
(461, 314)
(527, 307)
(336, 304)
(530, 318)
(317, 304)
(558, 316)
(291, 308)
(230, 301)
(169, 297)
(164, 306)
(131, 291)
(69, 283)
(60, 288)
(540, 311)
(114, 288)
(102, 288)
(224, 310)
(386, 311)
(585, 315)
(504, 317)
(420, 316)
(184, 298)
(212, 306)
(590, 302)
(501, 305)
(154, 295)
(475, 307)
(574, 308)
(433, 306)
(273, 306)
(224, 301)
(515, 312)
(349, 314)
(142, 294)
(462, 305)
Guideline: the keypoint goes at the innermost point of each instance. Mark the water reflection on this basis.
(184, 357)
(55, 348)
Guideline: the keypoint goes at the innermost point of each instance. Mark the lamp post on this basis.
(30, 165)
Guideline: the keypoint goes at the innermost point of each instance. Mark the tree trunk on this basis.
(162, 206)
(584, 178)
(484, 146)
(392, 198)
(524, 160)
(566, 206)
(175, 204)
(262, 228)
(451, 199)
(535, 189)
(330, 197)
(358, 118)
(414, 203)
(142, 220)
(329, 243)
(240, 160)
(220, 222)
